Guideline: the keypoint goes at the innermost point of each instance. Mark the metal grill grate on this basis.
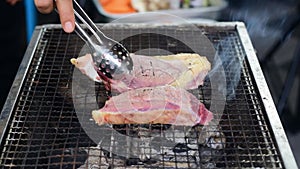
(44, 131)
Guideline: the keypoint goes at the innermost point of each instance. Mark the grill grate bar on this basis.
(258, 117)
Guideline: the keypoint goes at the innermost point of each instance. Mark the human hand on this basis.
(65, 9)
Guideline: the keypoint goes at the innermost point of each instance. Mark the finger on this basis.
(44, 6)
(66, 14)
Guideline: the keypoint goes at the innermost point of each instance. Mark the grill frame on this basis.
(268, 103)
(251, 58)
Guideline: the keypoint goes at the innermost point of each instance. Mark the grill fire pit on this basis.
(43, 130)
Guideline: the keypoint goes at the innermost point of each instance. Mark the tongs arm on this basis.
(83, 17)
(111, 59)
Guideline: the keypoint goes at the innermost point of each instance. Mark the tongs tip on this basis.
(110, 58)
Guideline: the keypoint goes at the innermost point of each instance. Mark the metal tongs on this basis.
(111, 59)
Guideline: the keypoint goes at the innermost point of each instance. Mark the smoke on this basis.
(227, 62)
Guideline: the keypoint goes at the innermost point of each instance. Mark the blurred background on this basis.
(273, 26)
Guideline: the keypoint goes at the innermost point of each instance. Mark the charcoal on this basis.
(179, 148)
(208, 165)
(209, 135)
(173, 147)
(97, 159)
